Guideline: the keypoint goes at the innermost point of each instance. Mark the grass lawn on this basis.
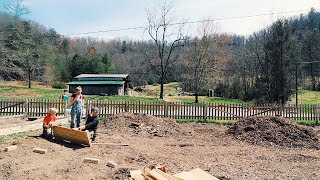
(203, 99)
(20, 90)
(309, 97)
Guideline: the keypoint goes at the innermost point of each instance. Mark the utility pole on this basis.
(29, 77)
(296, 84)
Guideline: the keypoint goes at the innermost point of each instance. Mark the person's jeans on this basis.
(75, 118)
(93, 134)
(46, 133)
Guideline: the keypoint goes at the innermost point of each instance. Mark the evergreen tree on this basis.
(278, 61)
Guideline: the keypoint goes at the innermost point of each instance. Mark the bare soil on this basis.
(225, 152)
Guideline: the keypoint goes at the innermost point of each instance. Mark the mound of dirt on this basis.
(142, 124)
(274, 131)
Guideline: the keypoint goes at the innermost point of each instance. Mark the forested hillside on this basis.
(262, 67)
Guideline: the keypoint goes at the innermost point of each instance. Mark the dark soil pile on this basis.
(274, 131)
(142, 124)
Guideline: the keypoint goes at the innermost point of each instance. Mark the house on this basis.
(101, 84)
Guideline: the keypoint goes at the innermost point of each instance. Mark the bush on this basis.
(138, 89)
(59, 85)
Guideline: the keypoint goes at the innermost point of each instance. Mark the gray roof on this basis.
(102, 75)
(95, 82)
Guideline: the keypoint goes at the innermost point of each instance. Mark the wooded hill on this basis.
(261, 67)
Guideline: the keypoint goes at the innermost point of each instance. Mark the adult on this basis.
(92, 123)
(77, 102)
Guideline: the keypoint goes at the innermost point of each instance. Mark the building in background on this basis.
(101, 84)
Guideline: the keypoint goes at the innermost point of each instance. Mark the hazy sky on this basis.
(77, 16)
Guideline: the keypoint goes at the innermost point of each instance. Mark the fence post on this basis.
(317, 114)
(26, 107)
(88, 107)
(65, 108)
(165, 109)
(204, 113)
(126, 107)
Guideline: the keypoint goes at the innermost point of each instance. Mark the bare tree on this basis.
(202, 55)
(16, 8)
(167, 40)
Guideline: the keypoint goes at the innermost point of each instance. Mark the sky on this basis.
(71, 17)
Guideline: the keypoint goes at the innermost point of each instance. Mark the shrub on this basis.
(59, 85)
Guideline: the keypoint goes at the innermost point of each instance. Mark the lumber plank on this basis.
(185, 176)
(166, 175)
(111, 164)
(40, 151)
(201, 174)
(72, 135)
(91, 160)
(161, 167)
(11, 148)
(156, 175)
(148, 177)
(136, 175)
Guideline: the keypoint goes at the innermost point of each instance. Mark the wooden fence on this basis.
(33, 107)
(30, 107)
(207, 110)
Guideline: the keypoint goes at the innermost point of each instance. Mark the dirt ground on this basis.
(222, 151)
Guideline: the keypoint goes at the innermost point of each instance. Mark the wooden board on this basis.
(201, 174)
(40, 150)
(111, 164)
(74, 136)
(168, 176)
(185, 176)
(11, 148)
(153, 173)
(91, 160)
(136, 175)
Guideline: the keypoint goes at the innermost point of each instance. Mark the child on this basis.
(47, 123)
(65, 96)
(92, 123)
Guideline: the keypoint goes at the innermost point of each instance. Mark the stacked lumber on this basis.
(159, 173)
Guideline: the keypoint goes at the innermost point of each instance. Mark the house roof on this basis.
(96, 82)
(102, 75)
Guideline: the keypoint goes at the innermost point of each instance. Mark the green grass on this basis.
(20, 90)
(306, 97)
(17, 136)
(309, 97)
(123, 98)
(308, 122)
(169, 88)
(218, 100)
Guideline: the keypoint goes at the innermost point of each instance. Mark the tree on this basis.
(200, 57)
(107, 62)
(277, 47)
(310, 52)
(160, 21)
(30, 47)
(16, 8)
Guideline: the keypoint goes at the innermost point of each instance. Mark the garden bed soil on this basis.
(222, 151)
